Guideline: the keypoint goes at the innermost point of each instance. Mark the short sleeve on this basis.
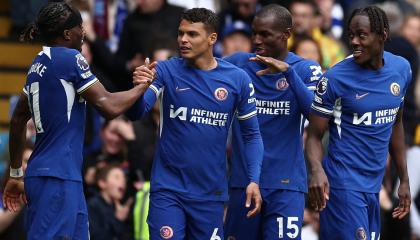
(312, 73)
(325, 97)
(246, 107)
(72, 67)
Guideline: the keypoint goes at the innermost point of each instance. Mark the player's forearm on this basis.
(17, 137)
(115, 104)
(142, 106)
(313, 152)
(303, 95)
(398, 152)
(313, 148)
(254, 148)
(17, 140)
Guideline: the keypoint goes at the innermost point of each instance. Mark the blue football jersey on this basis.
(55, 79)
(362, 106)
(280, 119)
(197, 108)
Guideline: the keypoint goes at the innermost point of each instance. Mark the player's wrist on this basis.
(253, 182)
(16, 172)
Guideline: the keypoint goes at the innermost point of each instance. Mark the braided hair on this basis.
(52, 20)
(377, 18)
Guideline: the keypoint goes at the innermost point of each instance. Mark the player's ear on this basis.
(66, 35)
(212, 38)
(287, 33)
(385, 35)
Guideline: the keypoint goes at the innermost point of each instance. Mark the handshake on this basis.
(145, 74)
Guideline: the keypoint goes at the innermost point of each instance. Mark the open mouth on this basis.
(260, 51)
(184, 49)
(357, 52)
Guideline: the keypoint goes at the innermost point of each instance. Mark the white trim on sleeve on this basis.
(248, 116)
(87, 85)
(322, 110)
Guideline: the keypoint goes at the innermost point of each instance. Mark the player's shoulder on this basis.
(341, 72)
(300, 63)
(172, 63)
(396, 62)
(344, 67)
(239, 58)
(229, 68)
(65, 55)
(63, 52)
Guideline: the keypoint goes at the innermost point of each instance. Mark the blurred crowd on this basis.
(120, 34)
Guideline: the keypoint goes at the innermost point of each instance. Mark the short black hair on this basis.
(52, 20)
(282, 16)
(203, 15)
(377, 18)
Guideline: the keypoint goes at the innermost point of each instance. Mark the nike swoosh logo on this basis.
(361, 96)
(181, 89)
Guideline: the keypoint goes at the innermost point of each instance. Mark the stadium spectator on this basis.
(150, 19)
(237, 12)
(306, 47)
(115, 134)
(331, 18)
(236, 38)
(360, 99)
(107, 214)
(58, 83)
(411, 30)
(307, 21)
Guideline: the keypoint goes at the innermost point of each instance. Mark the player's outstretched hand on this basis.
(405, 201)
(145, 74)
(14, 194)
(253, 196)
(319, 190)
(274, 65)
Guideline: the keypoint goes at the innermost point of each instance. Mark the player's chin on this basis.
(186, 55)
(360, 60)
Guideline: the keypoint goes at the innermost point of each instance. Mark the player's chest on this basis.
(215, 94)
(372, 101)
(274, 96)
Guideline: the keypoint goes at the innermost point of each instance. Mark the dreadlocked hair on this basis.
(48, 24)
(377, 18)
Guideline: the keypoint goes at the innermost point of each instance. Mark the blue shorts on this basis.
(350, 215)
(280, 218)
(172, 216)
(56, 209)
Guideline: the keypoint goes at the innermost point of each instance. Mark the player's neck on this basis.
(282, 56)
(206, 63)
(375, 63)
(59, 42)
